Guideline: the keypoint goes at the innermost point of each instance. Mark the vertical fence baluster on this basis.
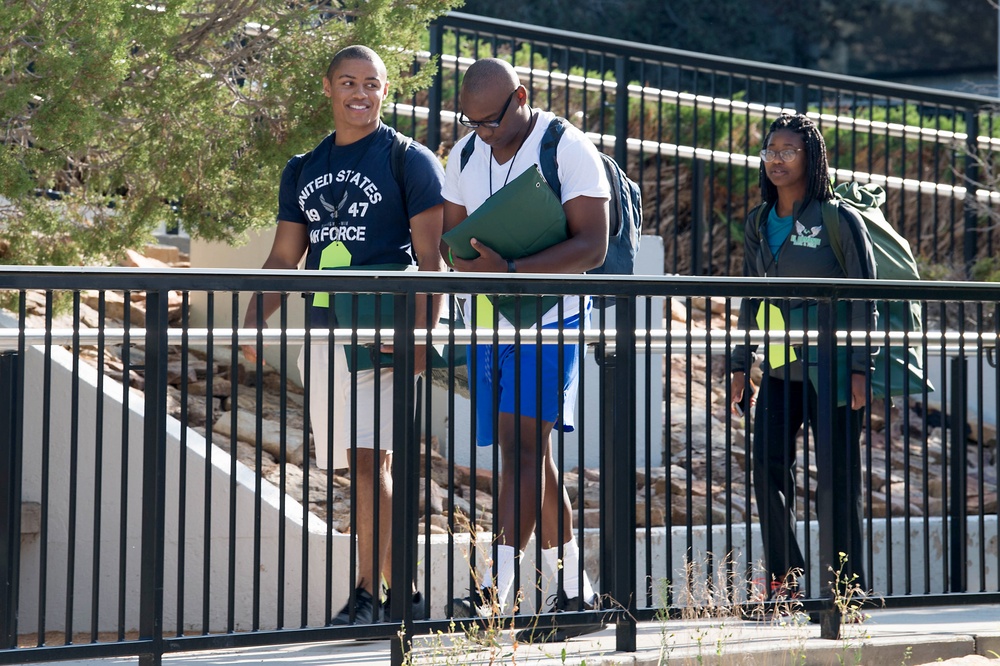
(10, 496)
(153, 479)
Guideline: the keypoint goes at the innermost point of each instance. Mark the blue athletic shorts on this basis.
(555, 387)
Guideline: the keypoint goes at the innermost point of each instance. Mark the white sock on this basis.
(505, 573)
(573, 585)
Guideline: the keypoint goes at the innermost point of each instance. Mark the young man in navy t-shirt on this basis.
(341, 206)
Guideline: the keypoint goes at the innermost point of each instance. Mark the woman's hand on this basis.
(859, 396)
(736, 387)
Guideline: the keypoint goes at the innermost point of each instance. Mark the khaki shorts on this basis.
(322, 405)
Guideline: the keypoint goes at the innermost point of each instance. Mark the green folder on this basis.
(522, 219)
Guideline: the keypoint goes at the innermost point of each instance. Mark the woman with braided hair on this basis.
(785, 237)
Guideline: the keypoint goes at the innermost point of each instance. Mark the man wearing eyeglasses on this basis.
(506, 141)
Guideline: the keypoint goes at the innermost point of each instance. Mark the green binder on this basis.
(522, 219)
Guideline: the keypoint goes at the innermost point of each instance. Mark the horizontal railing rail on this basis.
(674, 341)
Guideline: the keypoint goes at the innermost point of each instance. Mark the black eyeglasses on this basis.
(492, 124)
(787, 155)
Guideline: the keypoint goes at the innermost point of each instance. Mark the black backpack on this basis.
(625, 214)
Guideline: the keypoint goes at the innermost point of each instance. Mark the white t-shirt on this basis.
(581, 173)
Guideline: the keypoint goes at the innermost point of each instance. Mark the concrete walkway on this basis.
(908, 637)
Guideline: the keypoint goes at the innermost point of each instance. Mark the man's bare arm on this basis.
(454, 214)
(291, 240)
(425, 232)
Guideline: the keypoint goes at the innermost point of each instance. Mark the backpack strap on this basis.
(467, 150)
(831, 222)
(397, 164)
(760, 215)
(547, 160)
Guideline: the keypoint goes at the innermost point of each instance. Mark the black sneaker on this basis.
(476, 605)
(560, 632)
(363, 610)
(419, 611)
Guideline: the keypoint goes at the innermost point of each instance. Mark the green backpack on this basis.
(893, 261)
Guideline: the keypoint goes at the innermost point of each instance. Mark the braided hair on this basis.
(818, 185)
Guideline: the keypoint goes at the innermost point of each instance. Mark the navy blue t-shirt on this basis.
(353, 205)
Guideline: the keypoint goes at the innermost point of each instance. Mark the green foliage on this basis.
(986, 270)
(175, 112)
(939, 271)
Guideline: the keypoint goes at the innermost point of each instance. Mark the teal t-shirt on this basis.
(778, 230)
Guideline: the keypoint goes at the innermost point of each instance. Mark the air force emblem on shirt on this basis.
(806, 237)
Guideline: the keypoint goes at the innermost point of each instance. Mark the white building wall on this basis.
(123, 463)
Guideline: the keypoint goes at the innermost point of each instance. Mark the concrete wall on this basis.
(938, 366)
(691, 562)
(119, 442)
(892, 544)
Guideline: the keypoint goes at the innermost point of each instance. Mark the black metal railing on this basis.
(157, 537)
(688, 127)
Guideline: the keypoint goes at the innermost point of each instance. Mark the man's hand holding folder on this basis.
(522, 219)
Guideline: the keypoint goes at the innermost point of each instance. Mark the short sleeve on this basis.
(423, 180)
(581, 171)
(288, 205)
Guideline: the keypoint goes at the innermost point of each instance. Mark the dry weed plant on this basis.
(727, 597)
(488, 640)
(476, 641)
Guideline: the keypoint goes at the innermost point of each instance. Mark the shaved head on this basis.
(489, 74)
(357, 52)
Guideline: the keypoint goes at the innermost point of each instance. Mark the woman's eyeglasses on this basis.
(787, 155)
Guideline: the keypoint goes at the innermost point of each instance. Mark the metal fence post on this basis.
(10, 497)
(801, 96)
(826, 459)
(153, 478)
(697, 214)
(405, 473)
(957, 529)
(970, 205)
(436, 35)
(621, 111)
(606, 359)
(620, 460)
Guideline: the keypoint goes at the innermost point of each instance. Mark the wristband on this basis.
(511, 268)
(451, 259)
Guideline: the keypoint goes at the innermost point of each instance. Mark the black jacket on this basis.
(807, 253)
